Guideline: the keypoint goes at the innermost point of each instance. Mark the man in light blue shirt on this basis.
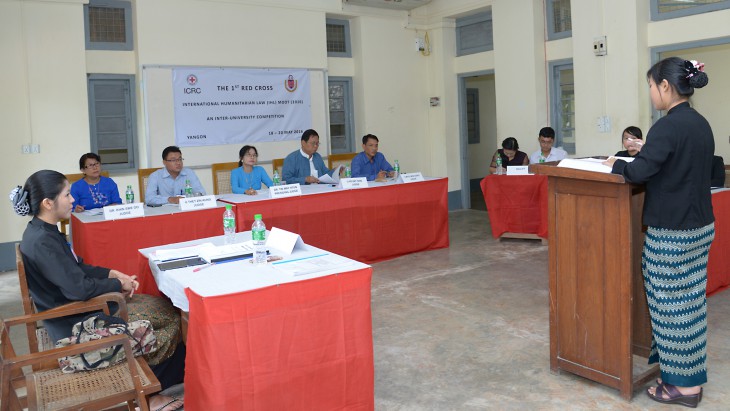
(370, 163)
(305, 166)
(166, 185)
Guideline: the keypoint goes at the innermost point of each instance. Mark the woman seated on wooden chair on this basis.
(56, 276)
(94, 190)
(247, 178)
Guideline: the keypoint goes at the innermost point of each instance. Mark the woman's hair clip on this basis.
(19, 200)
(693, 67)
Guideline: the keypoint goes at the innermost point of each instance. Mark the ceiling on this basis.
(389, 4)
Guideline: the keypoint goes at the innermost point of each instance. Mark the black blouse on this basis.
(675, 164)
(55, 277)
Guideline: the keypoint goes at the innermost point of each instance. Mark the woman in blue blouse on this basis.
(94, 190)
(247, 178)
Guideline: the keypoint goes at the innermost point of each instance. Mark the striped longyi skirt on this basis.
(674, 264)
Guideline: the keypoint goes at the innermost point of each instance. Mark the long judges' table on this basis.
(383, 221)
(516, 204)
(260, 338)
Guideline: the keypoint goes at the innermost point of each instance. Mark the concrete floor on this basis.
(466, 328)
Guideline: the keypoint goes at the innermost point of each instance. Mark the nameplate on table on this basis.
(410, 177)
(197, 203)
(517, 170)
(117, 212)
(287, 190)
(284, 241)
(354, 182)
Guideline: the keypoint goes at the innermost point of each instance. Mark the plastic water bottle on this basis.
(499, 165)
(229, 225)
(188, 189)
(276, 179)
(129, 195)
(258, 234)
(348, 171)
(396, 169)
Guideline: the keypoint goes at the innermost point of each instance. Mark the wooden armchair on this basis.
(143, 175)
(222, 177)
(72, 178)
(38, 338)
(48, 388)
(334, 160)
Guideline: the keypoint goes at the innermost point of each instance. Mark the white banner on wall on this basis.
(216, 106)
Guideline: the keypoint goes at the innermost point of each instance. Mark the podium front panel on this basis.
(598, 310)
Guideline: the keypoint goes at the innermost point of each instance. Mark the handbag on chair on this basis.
(98, 325)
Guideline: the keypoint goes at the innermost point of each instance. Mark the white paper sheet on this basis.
(182, 252)
(311, 264)
(589, 164)
(326, 179)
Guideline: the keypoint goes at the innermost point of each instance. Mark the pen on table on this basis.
(196, 269)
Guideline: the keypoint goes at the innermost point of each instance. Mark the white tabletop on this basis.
(237, 276)
(307, 189)
(92, 217)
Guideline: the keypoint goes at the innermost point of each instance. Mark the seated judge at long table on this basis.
(167, 184)
(305, 165)
(510, 154)
(370, 163)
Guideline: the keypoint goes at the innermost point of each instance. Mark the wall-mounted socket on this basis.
(30, 148)
(603, 124)
(599, 46)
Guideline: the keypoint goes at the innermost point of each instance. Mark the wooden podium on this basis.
(598, 313)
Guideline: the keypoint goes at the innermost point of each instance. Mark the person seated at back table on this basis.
(247, 178)
(510, 154)
(547, 152)
(630, 134)
(166, 185)
(94, 190)
(56, 276)
(304, 166)
(370, 163)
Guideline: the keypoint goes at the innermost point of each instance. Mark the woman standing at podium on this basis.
(675, 164)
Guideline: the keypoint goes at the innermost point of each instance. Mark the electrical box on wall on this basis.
(603, 124)
(599, 46)
(420, 44)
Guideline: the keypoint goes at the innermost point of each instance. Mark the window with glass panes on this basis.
(667, 9)
(559, 19)
(108, 25)
(563, 107)
(338, 38)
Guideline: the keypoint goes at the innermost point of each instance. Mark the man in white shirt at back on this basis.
(547, 152)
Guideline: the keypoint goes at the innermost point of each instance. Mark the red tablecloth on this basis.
(114, 244)
(516, 204)
(367, 225)
(305, 345)
(718, 266)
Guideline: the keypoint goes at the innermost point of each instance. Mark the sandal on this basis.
(173, 400)
(674, 396)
